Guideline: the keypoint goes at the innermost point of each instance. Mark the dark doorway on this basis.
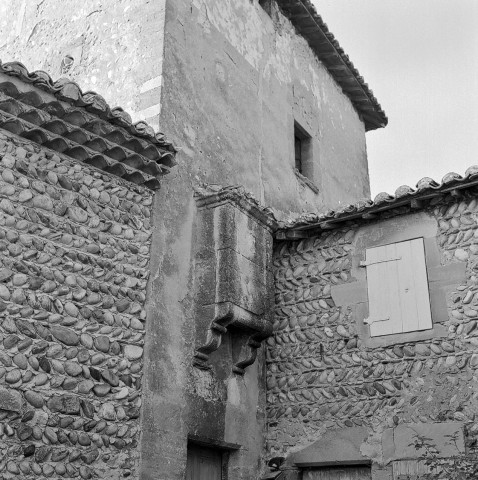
(204, 463)
(348, 472)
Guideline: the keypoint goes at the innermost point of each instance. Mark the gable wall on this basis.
(235, 79)
(327, 378)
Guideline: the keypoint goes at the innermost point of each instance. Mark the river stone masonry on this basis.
(324, 375)
(74, 259)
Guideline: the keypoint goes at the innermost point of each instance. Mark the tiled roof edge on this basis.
(70, 92)
(332, 55)
(426, 189)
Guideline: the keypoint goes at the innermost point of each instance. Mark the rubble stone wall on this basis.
(74, 254)
(323, 374)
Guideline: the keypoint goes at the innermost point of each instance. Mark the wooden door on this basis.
(354, 472)
(203, 463)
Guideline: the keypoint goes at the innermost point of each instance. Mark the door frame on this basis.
(224, 448)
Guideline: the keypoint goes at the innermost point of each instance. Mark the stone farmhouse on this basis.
(223, 301)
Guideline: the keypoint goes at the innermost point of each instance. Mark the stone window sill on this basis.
(437, 331)
(304, 180)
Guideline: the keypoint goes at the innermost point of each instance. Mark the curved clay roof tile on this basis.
(451, 177)
(9, 88)
(471, 171)
(31, 98)
(383, 197)
(362, 205)
(13, 125)
(403, 191)
(11, 106)
(58, 144)
(118, 112)
(425, 183)
(70, 92)
(35, 135)
(55, 126)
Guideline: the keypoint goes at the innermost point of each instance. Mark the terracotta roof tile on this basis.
(310, 25)
(61, 117)
(426, 189)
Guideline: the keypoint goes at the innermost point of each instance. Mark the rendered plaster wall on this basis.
(235, 79)
(233, 82)
(207, 267)
(74, 262)
(326, 379)
(117, 46)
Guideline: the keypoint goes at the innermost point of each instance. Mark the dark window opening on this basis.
(303, 151)
(303, 156)
(298, 153)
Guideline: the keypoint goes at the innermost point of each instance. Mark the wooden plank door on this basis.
(353, 472)
(203, 463)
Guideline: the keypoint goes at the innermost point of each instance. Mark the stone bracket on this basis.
(228, 314)
(233, 271)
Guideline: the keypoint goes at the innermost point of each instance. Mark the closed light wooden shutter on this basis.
(397, 283)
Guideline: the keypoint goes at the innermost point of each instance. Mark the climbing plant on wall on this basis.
(459, 467)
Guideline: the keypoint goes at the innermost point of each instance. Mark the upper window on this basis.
(298, 153)
(304, 157)
(303, 153)
(397, 284)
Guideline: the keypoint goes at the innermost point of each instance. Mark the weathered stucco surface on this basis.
(233, 83)
(73, 271)
(235, 80)
(323, 374)
(117, 46)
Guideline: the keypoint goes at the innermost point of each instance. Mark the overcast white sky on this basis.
(420, 57)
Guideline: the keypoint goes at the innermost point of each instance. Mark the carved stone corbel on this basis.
(233, 272)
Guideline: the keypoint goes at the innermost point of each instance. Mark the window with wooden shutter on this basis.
(397, 283)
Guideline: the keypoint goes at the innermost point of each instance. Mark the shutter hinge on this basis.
(366, 264)
(369, 321)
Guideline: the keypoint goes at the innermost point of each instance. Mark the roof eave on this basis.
(310, 25)
(452, 184)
